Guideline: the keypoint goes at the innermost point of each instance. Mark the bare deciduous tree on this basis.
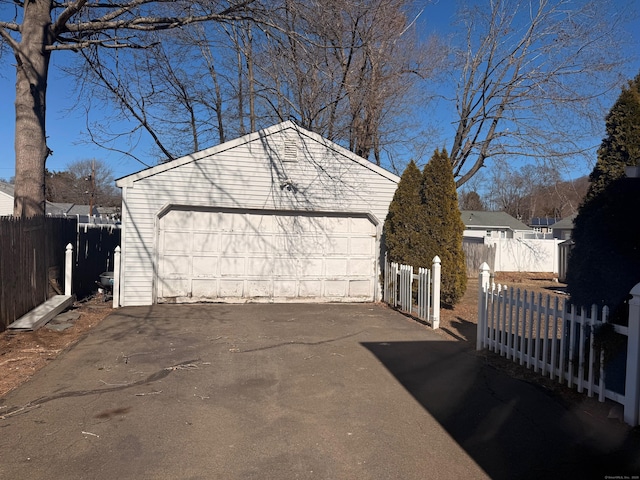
(531, 74)
(349, 70)
(39, 27)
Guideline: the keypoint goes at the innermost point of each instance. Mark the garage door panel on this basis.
(177, 219)
(260, 223)
(286, 267)
(361, 225)
(205, 266)
(175, 265)
(310, 267)
(285, 288)
(336, 267)
(206, 242)
(259, 266)
(310, 288)
(359, 266)
(178, 287)
(337, 225)
(360, 288)
(176, 242)
(335, 288)
(337, 246)
(232, 266)
(259, 288)
(204, 288)
(231, 288)
(362, 246)
(270, 256)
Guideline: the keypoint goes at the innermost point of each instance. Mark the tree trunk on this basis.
(32, 68)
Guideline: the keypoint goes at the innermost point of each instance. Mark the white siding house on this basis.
(6, 199)
(277, 215)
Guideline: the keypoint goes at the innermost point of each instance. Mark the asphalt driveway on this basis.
(291, 391)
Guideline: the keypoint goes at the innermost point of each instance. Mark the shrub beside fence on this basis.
(560, 340)
(424, 301)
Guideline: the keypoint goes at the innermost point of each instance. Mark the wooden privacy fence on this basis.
(94, 255)
(424, 301)
(32, 254)
(560, 340)
(476, 253)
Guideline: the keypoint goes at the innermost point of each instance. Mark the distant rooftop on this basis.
(482, 219)
(566, 223)
(542, 221)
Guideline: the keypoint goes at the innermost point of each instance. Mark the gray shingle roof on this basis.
(6, 188)
(566, 223)
(476, 218)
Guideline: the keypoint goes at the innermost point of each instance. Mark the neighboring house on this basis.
(542, 224)
(80, 212)
(6, 199)
(481, 224)
(278, 215)
(563, 229)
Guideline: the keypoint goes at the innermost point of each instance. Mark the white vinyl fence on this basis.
(561, 341)
(398, 290)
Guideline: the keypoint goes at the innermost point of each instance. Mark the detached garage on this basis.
(280, 215)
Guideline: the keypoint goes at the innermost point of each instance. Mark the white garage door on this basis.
(245, 256)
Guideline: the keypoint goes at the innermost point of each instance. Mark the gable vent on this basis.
(290, 150)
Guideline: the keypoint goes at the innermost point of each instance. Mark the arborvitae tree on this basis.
(621, 146)
(443, 225)
(403, 232)
(605, 261)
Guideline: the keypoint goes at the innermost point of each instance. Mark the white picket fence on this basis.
(398, 290)
(557, 339)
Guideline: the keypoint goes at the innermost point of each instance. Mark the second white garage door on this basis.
(264, 256)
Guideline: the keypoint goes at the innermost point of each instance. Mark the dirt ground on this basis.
(24, 353)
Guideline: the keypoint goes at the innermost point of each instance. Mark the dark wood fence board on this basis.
(28, 249)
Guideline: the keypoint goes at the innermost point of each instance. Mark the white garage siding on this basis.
(209, 255)
(283, 168)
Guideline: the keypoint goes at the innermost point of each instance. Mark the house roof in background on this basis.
(566, 223)
(69, 209)
(542, 221)
(6, 188)
(55, 208)
(481, 219)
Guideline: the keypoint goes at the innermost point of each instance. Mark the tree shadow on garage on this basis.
(512, 429)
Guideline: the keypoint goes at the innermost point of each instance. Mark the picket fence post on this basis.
(116, 277)
(68, 269)
(436, 292)
(632, 381)
(483, 284)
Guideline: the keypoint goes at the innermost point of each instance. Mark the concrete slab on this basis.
(68, 316)
(40, 315)
(292, 391)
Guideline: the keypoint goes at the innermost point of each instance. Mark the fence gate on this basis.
(568, 344)
(421, 300)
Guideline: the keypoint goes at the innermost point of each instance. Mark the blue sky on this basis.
(66, 128)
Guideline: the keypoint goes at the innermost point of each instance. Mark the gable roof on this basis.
(566, 223)
(6, 188)
(491, 220)
(194, 157)
(69, 209)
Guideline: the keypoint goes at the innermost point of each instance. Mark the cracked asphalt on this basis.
(330, 391)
